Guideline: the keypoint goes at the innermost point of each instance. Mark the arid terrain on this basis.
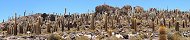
(105, 23)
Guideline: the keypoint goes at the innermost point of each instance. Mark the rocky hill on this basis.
(106, 23)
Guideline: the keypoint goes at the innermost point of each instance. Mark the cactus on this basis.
(183, 24)
(186, 23)
(92, 22)
(177, 26)
(58, 21)
(78, 28)
(24, 12)
(164, 21)
(173, 19)
(15, 25)
(106, 21)
(134, 24)
(68, 25)
(112, 24)
(153, 26)
(21, 29)
(117, 17)
(169, 24)
(62, 20)
(37, 26)
(157, 22)
(162, 33)
(9, 30)
(62, 26)
(62, 23)
(189, 18)
(3, 20)
(12, 30)
(56, 24)
(29, 27)
(48, 27)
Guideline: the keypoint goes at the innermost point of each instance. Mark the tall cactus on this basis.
(62, 23)
(21, 29)
(117, 16)
(78, 24)
(24, 12)
(186, 23)
(106, 21)
(173, 19)
(38, 28)
(12, 30)
(189, 18)
(112, 23)
(177, 26)
(92, 21)
(28, 28)
(169, 24)
(183, 24)
(15, 25)
(59, 21)
(9, 30)
(39, 24)
(134, 24)
(157, 21)
(153, 26)
(35, 27)
(48, 27)
(164, 21)
(63, 19)
(3, 20)
(56, 24)
(68, 23)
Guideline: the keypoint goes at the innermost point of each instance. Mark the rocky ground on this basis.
(107, 23)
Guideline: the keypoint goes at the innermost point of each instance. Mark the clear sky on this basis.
(9, 7)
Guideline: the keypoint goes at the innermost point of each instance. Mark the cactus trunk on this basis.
(15, 25)
(134, 24)
(92, 22)
(177, 26)
(105, 22)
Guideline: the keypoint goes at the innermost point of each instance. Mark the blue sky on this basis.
(9, 7)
